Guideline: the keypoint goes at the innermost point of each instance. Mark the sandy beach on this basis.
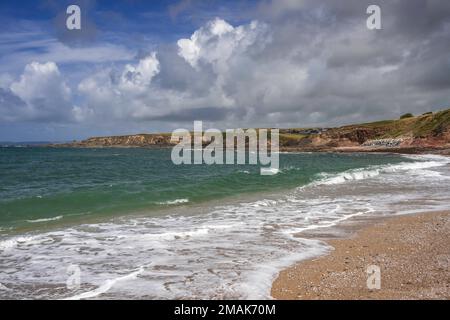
(412, 252)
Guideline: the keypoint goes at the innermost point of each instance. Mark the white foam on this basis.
(172, 202)
(174, 235)
(356, 174)
(232, 251)
(45, 219)
(257, 285)
(335, 222)
(105, 287)
(4, 288)
(373, 171)
(9, 243)
(436, 157)
(270, 171)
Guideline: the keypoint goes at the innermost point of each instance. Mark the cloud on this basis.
(43, 50)
(275, 9)
(212, 43)
(40, 94)
(154, 89)
(20, 47)
(118, 94)
(218, 41)
(139, 77)
(326, 68)
(205, 114)
(11, 106)
(291, 63)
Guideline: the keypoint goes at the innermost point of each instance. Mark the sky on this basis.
(139, 66)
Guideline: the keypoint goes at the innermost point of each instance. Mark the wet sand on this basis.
(412, 252)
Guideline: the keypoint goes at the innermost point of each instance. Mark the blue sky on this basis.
(134, 24)
(123, 30)
(148, 66)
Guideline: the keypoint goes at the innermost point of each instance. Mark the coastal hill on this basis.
(410, 134)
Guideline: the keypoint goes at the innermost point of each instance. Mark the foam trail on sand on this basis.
(106, 286)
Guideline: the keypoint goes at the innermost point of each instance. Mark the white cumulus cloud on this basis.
(41, 94)
(138, 77)
(217, 41)
(305, 65)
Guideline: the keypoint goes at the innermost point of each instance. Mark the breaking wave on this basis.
(229, 251)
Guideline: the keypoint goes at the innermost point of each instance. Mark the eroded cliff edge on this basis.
(410, 134)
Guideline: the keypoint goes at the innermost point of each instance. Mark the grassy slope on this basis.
(427, 125)
(423, 126)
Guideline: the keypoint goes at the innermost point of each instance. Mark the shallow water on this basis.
(231, 246)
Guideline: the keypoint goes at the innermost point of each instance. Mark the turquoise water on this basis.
(135, 226)
(47, 185)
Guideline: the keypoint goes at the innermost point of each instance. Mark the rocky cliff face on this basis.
(353, 135)
(431, 130)
(428, 131)
(138, 140)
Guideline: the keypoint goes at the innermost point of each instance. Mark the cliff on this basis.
(136, 140)
(430, 131)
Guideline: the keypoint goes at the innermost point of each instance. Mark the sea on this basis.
(126, 223)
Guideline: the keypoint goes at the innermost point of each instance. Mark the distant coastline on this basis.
(23, 144)
(426, 133)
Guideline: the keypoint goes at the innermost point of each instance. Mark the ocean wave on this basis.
(172, 202)
(270, 171)
(354, 174)
(173, 235)
(45, 219)
(181, 234)
(437, 157)
(23, 240)
(239, 247)
(373, 171)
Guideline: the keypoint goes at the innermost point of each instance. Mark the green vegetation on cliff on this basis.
(428, 129)
(423, 126)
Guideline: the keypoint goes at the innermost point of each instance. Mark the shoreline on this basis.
(412, 252)
(443, 150)
(177, 231)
